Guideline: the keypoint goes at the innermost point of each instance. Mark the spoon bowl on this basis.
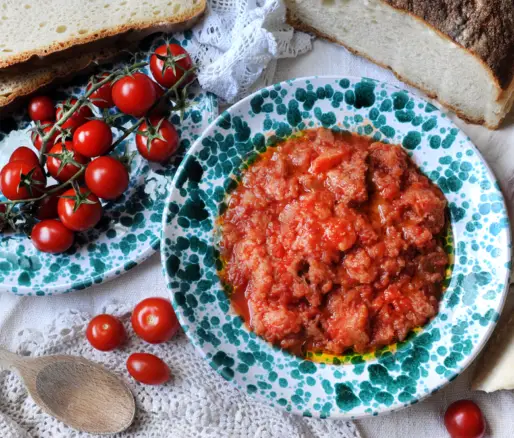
(76, 391)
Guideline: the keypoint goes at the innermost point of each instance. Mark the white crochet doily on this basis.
(238, 40)
(196, 403)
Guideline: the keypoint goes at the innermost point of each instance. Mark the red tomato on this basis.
(78, 118)
(11, 178)
(52, 236)
(464, 419)
(105, 332)
(37, 141)
(102, 98)
(154, 320)
(107, 178)
(23, 153)
(87, 214)
(148, 369)
(178, 61)
(134, 94)
(47, 207)
(66, 153)
(157, 150)
(41, 108)
(92, 139)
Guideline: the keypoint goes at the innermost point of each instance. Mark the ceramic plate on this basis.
(354, 385)
(130, 229)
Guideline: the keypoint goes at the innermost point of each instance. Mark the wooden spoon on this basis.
(76, 391)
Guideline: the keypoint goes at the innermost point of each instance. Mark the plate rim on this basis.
(507, 246)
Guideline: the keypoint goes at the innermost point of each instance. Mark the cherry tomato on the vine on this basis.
(23, 153)
(78, 118)
(64, 152)
(21, 180)
(52, 236)
(41, 108)
(148, 369)
(47, 207)
(102, 98)
(37, 141)
(134, 94)
(107, 177)
(154, 320)
(93, 138)
(105, 332)
(168, 72)
(464, 419)
(82, 217)
(150, 144)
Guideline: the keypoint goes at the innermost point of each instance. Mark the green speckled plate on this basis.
(130, 229)
(353, 385)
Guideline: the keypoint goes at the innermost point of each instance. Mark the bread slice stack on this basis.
(41, 42)
(458, 51)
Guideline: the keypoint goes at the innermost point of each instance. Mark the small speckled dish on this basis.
(353, 385)
(130, 229)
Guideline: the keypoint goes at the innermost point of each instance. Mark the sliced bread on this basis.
(458, 51)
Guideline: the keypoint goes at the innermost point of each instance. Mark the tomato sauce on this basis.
(334, 242)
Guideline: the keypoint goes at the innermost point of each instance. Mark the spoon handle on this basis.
(8, 359)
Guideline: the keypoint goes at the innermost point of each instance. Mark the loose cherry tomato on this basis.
(102, 98)
(47, 207)
(154, 320)
(464, 419)
(37, 141)
(105, 332)
(52, 236)
(83, 217)
(168, 71)
(23, 153)
(148, 369)
(64, 152)
(134, 94)
(93, 138)
(41, 108)
(107, 178)
(150, 144)
(21, 180)
(78, 118)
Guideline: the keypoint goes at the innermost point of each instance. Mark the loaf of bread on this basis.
(460, 52)
(43, 42)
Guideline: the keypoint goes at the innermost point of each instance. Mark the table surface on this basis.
(422, 420)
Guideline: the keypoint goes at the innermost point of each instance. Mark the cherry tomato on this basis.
(148, 369)
(105, 332)
(11, 180)
(174, 69)
(157, 150)
(134, 94)
(87, 214)
(154, 320)
(92, 139)
(52, 236)
(107, 178)
(102, 98)
(47, 207)
(41, 108)
(464, 419)
(78, 118)
(23, 153)
(37, 141)
(67, 153)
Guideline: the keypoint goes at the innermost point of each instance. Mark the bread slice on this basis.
(33, 28)
(458, 51)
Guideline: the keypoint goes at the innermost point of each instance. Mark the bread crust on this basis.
(105, 33)
(485, 28)
(300, 25)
